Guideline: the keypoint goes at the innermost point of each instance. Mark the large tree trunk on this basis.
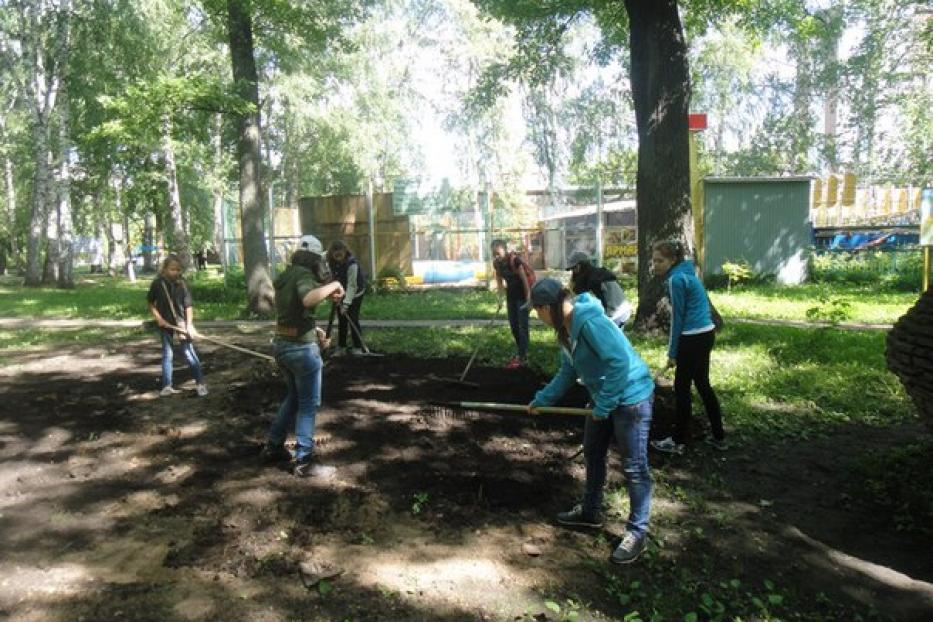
(10, 207)
(661, 93)
(255, 257)
(52, 246)
(39, 213)
(218, 231)
(910, 355)
(66, 278)
(176, 225)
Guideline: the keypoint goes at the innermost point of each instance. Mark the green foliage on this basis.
(897, 270)
(737, 272)
(419, 501)
(389, 279)
(832, 309)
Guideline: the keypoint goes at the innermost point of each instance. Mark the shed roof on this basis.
(755, 180)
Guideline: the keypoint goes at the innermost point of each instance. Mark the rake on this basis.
(356, 331)
(444, 408)
(226, 345)
(462, 379)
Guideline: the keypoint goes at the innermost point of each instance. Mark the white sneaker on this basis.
(168, 391)
(668, 446)
(202, 390)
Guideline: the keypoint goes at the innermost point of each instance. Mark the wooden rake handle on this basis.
(227, 345)
(517, 408)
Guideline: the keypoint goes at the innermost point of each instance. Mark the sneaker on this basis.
(515, 363)
(168, 391)
(309, 467)
(576, 517)
(202, 390)
(716, 443)
(668, 446)
(629, 549)
(274, 454)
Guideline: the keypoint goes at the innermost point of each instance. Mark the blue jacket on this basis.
(603, 358)
(690, 314)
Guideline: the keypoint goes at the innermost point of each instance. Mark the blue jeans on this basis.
(301, 365)
(629, 425)
(168, 357)
(518, 321)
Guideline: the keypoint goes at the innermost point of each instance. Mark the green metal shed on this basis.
(763, 220)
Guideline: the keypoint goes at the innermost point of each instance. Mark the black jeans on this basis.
(693, 368)
(518, 322)
(342, 329)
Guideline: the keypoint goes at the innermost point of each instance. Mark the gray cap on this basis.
(310, 243)
(545, 292)
(576, 258)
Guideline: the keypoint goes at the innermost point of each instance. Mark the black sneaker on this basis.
(309, 467)
(629, 549)
(274, 454)
(576, 517)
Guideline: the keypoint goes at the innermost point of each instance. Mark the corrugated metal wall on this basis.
(765, 222)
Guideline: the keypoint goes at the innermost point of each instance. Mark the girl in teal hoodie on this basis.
(691, 342)
(620, 384)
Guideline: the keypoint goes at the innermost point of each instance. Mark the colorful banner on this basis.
(620, 242)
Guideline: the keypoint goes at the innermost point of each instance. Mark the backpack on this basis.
(519, 263)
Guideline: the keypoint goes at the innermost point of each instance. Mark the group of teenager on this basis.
(312, 277)
(587, 319)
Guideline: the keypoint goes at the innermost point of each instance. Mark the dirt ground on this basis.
(116, 504)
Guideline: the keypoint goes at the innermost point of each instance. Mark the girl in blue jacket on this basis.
(692, 338)
(618, 380)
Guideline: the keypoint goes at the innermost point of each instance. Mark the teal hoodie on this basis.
(603, 358)
(690, 314)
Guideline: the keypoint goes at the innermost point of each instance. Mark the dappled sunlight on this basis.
(20, 582)
(832, 561)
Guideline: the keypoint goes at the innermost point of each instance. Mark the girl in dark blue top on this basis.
(691, 342)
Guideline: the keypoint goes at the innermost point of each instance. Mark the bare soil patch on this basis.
(116, 504)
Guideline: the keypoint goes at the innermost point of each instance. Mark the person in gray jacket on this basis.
(347, 270)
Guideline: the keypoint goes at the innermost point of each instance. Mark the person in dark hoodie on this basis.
(691, 342)
(600, 282)
(620, 385)
(298, 344)
(346, 269)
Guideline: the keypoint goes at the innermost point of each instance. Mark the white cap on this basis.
(311, 243)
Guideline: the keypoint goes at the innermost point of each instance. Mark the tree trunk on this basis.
(218, 232)
(52, 247)
(255, 257)
(149, 235)
(661, 94)
(178, 237)
(128, 249)
(11, 207)
(39, 214)
(66, 278)
(909, 355)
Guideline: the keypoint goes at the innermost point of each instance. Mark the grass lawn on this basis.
(869, 304)
(104, 297)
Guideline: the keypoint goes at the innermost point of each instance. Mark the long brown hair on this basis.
(556, 311)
